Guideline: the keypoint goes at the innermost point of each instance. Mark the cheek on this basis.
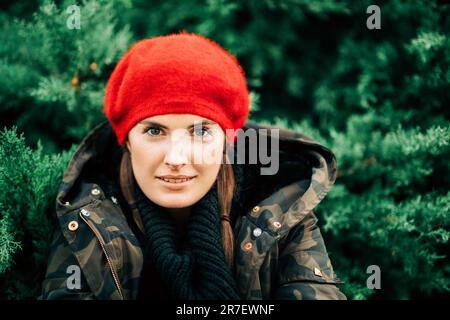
(215, 153)
(208, 154)
(208, 176)
(144, 162)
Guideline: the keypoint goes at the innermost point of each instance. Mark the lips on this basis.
(178, 179)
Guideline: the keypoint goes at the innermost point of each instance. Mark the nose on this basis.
(177, 154)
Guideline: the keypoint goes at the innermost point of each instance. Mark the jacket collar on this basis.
(99, 143)
(287, 205)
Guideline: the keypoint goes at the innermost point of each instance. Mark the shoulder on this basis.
(303, 254)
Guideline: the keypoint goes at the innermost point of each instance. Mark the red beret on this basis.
(177, 73)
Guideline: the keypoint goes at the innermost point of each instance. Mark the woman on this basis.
(154, 206)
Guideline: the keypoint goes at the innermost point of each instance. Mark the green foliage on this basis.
(7, 244)
(29, 180)
(407, 239)
(390, 207)
(378, 98)
(53, 73)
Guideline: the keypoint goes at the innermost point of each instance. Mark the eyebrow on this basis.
(156, 124)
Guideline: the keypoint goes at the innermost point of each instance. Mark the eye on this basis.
(202, 132)
(153, 131)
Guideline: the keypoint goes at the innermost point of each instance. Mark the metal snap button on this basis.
(73, 225)
(248, 246)
(276, 224)
(95, 192)
(257, 232)
(85, 213)
(317, 272)
(256, 209)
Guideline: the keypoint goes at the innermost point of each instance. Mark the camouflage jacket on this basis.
(280, 253)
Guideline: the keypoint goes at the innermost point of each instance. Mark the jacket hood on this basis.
(307, 170)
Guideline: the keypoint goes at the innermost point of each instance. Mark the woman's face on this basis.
(176, 157)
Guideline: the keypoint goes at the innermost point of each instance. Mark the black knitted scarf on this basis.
(193, 268)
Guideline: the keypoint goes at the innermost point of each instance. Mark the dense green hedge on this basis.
(378, 98)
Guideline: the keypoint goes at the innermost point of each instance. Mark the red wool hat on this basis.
(177, 73)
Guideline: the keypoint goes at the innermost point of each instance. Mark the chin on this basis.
(174, 201)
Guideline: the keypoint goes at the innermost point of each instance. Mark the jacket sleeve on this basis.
(304, 268)
(64, 280)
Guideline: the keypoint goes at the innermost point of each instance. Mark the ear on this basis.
(126, 145)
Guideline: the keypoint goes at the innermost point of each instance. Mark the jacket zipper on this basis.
(111, 266)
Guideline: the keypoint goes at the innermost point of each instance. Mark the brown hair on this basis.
(225, 192)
